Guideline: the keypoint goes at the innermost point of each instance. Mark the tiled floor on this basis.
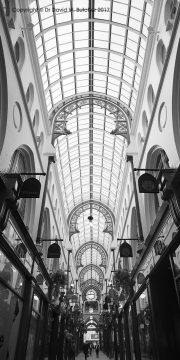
(102, 356)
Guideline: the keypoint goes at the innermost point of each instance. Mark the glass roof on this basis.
(90, 160)
(93, 47)
(103, 48)
(91, 232)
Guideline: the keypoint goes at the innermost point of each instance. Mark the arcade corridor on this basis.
(89, 179)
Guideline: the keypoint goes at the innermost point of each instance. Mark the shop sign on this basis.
(148, 184)
(30, 189)
(126, 250)
(54, 251)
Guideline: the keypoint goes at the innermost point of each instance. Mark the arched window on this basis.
(128, 193)
(19, 51)
(50, 181)
(160, 55)
(55, 207)
(8, 6)
(36, 122)
(23, 161)
(45, 234)
(3, 97)
(40, 140)
(140, 141)
(176, 102)
(52, 194)
(157, 159)
(134, 234)
(150, 97)
(144, 123)
(30, 95)
(170, 11)
(125, 205)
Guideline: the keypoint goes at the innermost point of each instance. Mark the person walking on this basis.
(85, 350)
(97, 351)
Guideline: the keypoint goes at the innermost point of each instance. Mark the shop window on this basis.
(144, 326)
(10, 316)
(11, 291)
(19, 51)
(35, 318)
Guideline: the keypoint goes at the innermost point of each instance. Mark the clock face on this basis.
(90, 295)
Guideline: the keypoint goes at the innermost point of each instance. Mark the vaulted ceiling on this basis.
(91, 55)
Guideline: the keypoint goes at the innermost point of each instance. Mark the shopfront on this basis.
(23, 302)
(153, 314)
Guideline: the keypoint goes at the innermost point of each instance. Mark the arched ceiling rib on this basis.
(89, 246)
(89, 272)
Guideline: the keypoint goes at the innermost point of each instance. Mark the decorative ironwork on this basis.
(90, 287)
(61, 129)
(121, 114)
(91, 282)
(93, 245)
(87, 268)
(73, 216)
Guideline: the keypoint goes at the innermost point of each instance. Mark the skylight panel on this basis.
(50, 53)
(65, 38)
(120, 31)
(103, 9)
(62, 17)
(145, 31)
(115, 58)
(138, 4)
(52, 63)
(117, 47)
(34, 15)
(131, 54)
(47, 22)
(65, 29)
(117, 39)
(124, 99)
(50, 44)
(81, 35)
(36, 29)
(98, 54)
(118, 18)
(136, 13)
(66, 57)
(120, 8)
(135, 24)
